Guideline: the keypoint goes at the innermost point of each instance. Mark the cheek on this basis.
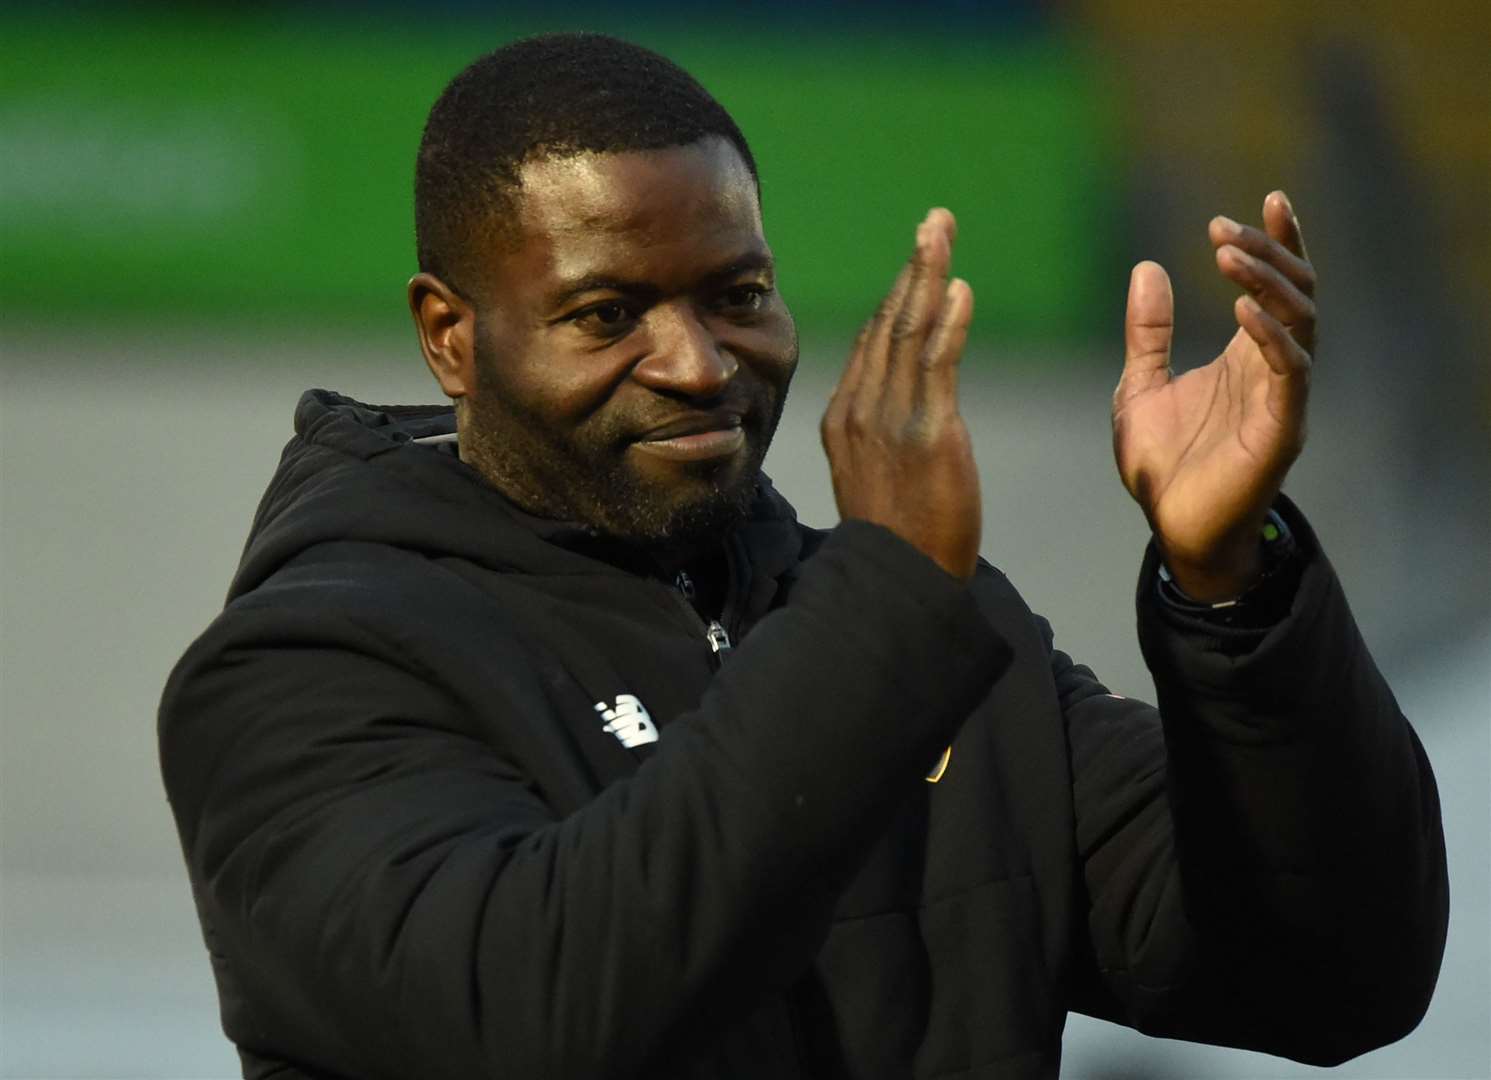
(559, 387)
(576, 390)
(772, 348)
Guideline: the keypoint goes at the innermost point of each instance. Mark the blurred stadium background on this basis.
(204, 210)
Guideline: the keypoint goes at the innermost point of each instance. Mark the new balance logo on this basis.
(628, 721)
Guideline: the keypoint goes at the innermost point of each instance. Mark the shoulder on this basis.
(392, 613)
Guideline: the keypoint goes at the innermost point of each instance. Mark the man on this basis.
(538, 739)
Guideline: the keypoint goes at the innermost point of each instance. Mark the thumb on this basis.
(1148, 326)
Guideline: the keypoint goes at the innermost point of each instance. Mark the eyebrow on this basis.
(752, 260)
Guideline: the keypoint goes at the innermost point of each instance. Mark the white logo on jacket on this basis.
(628, 721)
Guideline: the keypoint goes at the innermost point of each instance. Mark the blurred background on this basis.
(205, 210)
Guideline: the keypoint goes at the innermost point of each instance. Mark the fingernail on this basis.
(1289, 206)
(1228, 224)
(1252, 305)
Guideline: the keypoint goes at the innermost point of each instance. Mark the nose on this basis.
(685, 359)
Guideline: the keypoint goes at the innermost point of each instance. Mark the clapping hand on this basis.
(1204, 453)
(897, 446)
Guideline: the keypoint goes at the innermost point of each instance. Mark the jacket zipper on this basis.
(715, 634)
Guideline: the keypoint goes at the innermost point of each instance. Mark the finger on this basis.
(944, 348)
(1275, 292)
(850, 404)
(1286, 391)
(1281, 352)
(1268, 247)
(921, 308)
(878, 343)
(1282, 223)
(853, 378)
(1148, 327)
(843, 393)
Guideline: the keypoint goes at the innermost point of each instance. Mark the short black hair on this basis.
(546, 96)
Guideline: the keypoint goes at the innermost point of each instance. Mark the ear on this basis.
(446, 325)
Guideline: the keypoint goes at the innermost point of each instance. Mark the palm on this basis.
(1200, 451)
(1204, 453)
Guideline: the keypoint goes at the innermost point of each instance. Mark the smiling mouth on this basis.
(698, 438)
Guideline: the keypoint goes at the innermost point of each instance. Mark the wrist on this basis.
(1223, 577)
(1260, 602)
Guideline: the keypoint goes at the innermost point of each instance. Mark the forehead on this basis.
(582, 213)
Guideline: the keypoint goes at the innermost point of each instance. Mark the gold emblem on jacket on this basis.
(941, 766)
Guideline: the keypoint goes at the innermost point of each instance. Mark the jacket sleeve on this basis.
(1263, 858)
(387, 896)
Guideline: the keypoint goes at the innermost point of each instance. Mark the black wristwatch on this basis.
(1265, 602)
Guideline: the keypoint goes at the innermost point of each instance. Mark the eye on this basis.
(744, 298)
(609, 318)
(609, 314)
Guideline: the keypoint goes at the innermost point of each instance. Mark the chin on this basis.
(708, 509)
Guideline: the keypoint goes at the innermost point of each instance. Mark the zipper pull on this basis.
(685, 584)
(719, 640)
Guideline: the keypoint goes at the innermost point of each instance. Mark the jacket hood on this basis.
(390, 474)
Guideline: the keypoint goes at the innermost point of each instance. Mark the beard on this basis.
(587, 476)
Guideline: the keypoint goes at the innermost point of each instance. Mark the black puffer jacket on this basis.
(421, 846)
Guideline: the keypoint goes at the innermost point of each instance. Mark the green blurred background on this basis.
(257, 166)
(206, 209)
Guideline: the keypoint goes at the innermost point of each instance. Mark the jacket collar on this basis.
(391, 474)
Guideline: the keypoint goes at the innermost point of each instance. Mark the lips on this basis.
(699, 423)
(700, 436)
